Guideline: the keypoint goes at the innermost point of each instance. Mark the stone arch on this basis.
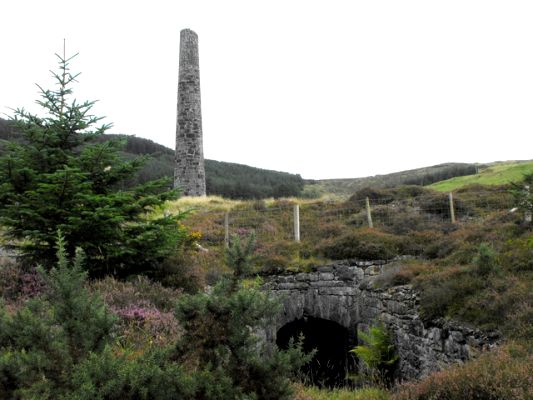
(332, 361)
(344, 293)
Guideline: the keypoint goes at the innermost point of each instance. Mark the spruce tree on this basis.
(58, 177)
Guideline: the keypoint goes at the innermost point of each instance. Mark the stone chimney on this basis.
(189, 172)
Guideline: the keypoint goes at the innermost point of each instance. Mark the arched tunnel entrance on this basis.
(332, 361)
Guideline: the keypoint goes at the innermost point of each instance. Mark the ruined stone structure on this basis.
(345, 294)
(189, 173)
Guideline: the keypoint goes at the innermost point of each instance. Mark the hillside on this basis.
(419, 176)
(230, 180)
(239, 181)
(499, 173)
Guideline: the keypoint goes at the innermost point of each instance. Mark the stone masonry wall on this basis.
(345, 292)
(189, 173)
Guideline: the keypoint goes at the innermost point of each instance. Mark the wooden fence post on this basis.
(369, 213)
(296, 212)
(452, 208)
(226, 229)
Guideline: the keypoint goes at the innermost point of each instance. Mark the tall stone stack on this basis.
(189, 173)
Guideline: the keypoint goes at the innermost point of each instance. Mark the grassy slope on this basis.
(495, 174)
(347, 187)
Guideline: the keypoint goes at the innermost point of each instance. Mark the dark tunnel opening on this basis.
(332, 361)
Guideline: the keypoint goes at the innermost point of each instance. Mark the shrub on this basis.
(119, 294)
(387, 195)
(18, 283)
(144, 310)
(417, 243)
(518, 324)
(277, 256)
(182, 271)
(397, 274)
(504, 373)
(220, 337)
(436, 203)
(517, 254)
(402, 219)
(330, 230)
(485, 260)
(43, 340)
(490, 307)
(446, 290)
(364, 244)
(111, 376)
(441, 248)
(377, 353)
(380, 196)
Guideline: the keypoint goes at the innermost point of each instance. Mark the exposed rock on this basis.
(344, 293)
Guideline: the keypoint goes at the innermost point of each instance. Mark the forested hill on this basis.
(226, 179)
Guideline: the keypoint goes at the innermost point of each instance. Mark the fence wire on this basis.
(398, 215)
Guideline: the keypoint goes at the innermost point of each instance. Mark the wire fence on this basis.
(289, 221)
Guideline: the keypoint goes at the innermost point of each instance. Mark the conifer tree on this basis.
(221, 338)
(57, 177)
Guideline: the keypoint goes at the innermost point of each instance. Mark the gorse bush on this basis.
(58, 177)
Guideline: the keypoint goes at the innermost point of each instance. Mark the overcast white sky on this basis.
(327, 89)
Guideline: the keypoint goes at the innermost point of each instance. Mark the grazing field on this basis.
(494, 174)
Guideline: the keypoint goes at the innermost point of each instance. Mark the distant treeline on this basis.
(230, 180)
(441, 174)
(244, 182)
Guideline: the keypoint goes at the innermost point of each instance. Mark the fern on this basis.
(378, 353)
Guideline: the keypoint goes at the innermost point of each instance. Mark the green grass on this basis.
(495, 174)
(313, 393)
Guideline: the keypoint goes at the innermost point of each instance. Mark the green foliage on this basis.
(315, 393)
(47, 337)
(493, 174)
(239, 257)
(57, 177)
(222, 178)
(485, 260)
(62, 345)
(221, 338)
(378, 353)
(108, 376)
